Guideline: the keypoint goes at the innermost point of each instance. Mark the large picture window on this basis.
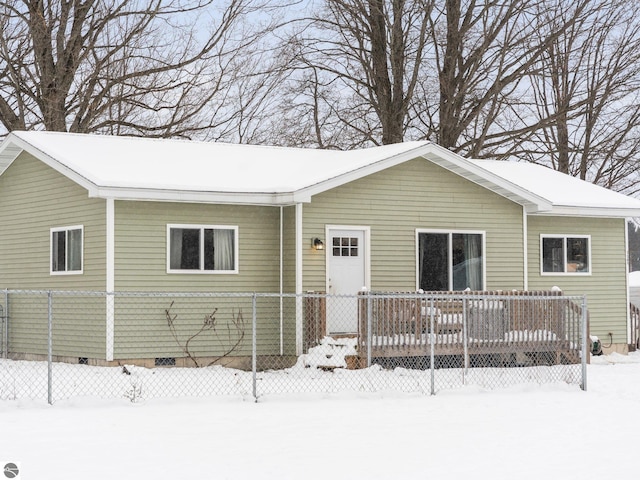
(202, 248)
(562, 254)
(66, 250)
(450, 261)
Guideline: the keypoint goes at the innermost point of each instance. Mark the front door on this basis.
(346, 275)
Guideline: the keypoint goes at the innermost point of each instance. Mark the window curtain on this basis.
(223, 243)
(74, 249)
(473, 259)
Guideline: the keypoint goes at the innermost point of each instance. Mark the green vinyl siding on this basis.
(141, 247)
(416, 195)
(141, 265)
(605, 287)
(142, 331)
(35, 198)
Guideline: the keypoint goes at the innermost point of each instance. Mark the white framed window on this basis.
(565, 254)
(67, 250)
(450, 260)
(202, 249)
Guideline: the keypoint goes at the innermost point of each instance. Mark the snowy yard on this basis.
(550, 431)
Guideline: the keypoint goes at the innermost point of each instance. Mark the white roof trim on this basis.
(13, 145)
(159, 195)
(484, 178)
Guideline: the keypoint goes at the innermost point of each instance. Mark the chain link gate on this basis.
(139, 345)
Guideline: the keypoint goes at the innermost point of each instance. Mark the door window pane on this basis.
(345, 246)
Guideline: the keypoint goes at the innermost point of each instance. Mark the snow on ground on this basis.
(550, 431)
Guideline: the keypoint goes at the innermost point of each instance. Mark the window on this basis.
(202, 249)
(345, 247)
(66, 250)
(450, 261)
(565, 254)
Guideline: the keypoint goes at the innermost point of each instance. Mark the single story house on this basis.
(118, 214)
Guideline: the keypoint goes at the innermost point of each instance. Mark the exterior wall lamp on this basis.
(317, 244)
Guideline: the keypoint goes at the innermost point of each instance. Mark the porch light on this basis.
(317, 244)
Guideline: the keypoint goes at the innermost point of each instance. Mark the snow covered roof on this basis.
(181, 170)
(568, 195)
(137, 168)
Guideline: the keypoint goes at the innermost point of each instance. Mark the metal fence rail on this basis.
(137, 345)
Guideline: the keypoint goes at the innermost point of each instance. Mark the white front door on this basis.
(346, 275)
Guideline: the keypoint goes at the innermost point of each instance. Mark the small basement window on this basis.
(165, 362)
(565, 254)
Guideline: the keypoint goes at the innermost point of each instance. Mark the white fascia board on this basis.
(180, 196)
(600, 212)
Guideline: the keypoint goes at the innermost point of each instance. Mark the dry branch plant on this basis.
(230, 334)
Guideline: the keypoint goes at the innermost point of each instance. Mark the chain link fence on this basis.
(58, 345)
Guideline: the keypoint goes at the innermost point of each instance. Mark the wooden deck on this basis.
(482, 328)
(489, 327)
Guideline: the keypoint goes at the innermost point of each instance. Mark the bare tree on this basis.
(386, 70)
(588, 82)
(483, 53)
(361, 61)
(131, 66)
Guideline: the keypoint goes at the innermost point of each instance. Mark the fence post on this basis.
(585, 332)
(432, 341)
(49, 348)
(2, 330)
(465, 341)
(5, 330)
(369, 322)
(254, 346)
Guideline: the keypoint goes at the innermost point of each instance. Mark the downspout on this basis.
(298, 279)
(110, 280)
(281, 284)
(525, 248)
(626, 279)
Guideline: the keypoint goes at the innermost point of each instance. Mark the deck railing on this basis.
(540, 327)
